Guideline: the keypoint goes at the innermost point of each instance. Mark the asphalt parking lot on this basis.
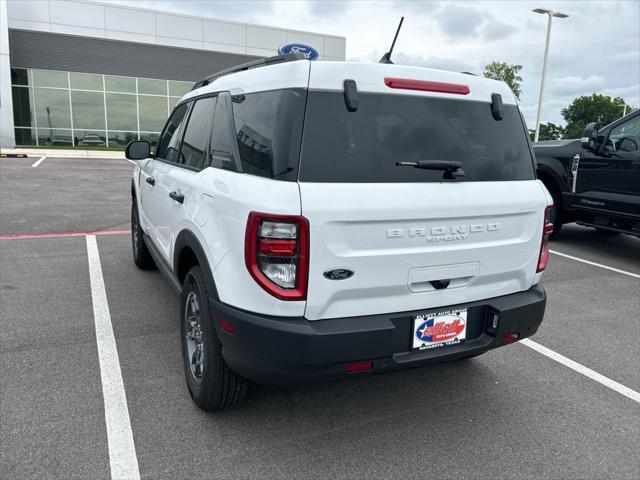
(512, 413)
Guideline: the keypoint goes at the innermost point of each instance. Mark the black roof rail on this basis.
(263, 62)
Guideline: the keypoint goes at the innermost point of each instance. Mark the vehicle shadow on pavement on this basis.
(353, 401)
(597, 246)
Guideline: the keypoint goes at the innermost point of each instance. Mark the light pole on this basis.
(551, 14)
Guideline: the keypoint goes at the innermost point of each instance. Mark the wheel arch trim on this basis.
(187, 239)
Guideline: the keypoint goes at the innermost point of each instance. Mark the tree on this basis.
(506, 73)
(591, 108)
(548, 131)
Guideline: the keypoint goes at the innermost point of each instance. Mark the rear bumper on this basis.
(277, 350)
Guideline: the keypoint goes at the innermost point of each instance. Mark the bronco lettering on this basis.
(443, 233)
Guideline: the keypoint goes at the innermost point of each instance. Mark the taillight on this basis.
(276, 251)
(426, 86)
(547, 230)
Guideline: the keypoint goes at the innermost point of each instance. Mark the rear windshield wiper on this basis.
(452, 168)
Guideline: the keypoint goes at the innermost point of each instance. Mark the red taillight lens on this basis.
(355, 367)
(547, 230)
(425, 86)
(277, 254)
(278, 248)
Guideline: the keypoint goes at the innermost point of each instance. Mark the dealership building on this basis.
(84, 73)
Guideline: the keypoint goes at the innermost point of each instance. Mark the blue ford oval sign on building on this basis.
(310, 53)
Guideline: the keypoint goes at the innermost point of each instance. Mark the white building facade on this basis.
(84, 73)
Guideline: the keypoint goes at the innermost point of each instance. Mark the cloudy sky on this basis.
(596, 49)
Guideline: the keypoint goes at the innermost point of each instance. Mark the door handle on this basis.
(177, 196)
(151, 181)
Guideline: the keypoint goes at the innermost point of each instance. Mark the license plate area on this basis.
(439, 329)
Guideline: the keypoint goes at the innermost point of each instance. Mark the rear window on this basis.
(364, 146)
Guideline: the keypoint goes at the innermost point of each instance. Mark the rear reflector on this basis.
(426, 86)
(355, 367)
(511, 338)
(226, 326)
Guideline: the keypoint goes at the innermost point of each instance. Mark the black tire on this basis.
(212, 384)
(556, 212)
(141, 255)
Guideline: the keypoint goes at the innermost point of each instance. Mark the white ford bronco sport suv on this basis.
(323, 220)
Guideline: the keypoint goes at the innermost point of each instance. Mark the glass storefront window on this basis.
(52, 108)
(121, 112)
(90, 138)
(50, 78)
(153, 113)
(120, 84)
(152, 87)
(88, 110)
(86, 81)
(178, 89)
(19, 76)
(52, 136)
(25, 136)
(22, 106)
(150, 137)
(65, 108)
(120, 139)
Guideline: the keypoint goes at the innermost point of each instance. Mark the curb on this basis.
(56, 153)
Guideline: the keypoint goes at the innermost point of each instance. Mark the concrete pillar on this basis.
(7, 137)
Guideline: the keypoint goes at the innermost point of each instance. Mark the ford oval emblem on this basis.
(309, 53)
(338, 274)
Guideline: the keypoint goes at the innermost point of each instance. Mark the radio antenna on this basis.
(386, 58)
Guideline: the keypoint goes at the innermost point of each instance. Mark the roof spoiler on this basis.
(263, 62)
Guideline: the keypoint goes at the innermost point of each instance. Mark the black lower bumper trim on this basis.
(284, 350)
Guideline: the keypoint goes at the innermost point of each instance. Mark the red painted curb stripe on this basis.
(62, 235)
(66, 168)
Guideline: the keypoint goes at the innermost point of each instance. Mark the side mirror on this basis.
(137, 150)
(589, 140)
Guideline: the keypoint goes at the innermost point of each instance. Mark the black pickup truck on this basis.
(595, 181)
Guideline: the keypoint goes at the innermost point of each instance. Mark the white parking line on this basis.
(39, 161)
(131, 161)
(122, 450)
(587, 372)
(606, 267)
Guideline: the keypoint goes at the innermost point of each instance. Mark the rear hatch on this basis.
(413, 239)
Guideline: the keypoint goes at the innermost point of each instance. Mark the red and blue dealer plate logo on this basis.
(439, 329)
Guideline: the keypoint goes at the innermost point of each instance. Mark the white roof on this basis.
(369, 77)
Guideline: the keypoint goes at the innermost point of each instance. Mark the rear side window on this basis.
(169, 144)
(364, 146)
(224, 150)
(196, 136)
(268, 131)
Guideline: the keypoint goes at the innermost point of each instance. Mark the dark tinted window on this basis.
(224, 149)
(169, 144)
(19, 76)
(364, 146)
(268, 130)
(196, 135)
